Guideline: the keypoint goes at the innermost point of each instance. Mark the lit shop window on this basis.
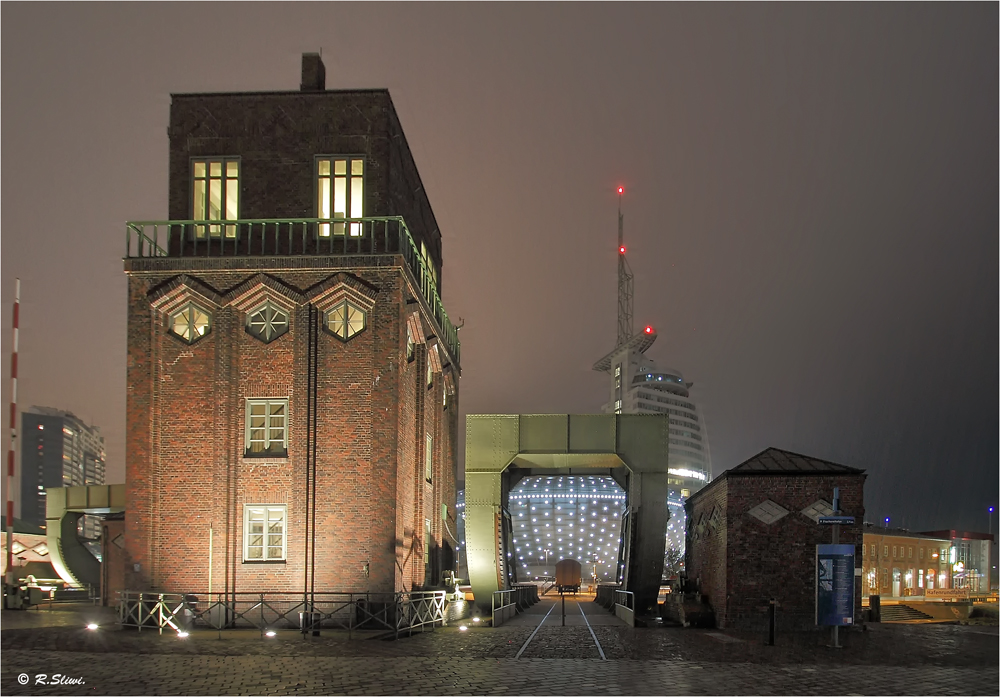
(339, 194)
(345, 320)
(190, 323)
(264, 533)
(267, 322)
(267, 428)
(215, 196)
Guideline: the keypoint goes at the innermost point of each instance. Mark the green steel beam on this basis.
(502, 448)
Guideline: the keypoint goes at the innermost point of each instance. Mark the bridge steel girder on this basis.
(500, 449)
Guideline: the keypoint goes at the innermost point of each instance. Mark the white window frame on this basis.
(227, 181)
(348, 185)
(270, 512)
(268, 428)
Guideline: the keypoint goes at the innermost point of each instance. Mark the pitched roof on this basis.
(782, 461)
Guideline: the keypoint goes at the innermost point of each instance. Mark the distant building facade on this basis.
(752, 536)
(969, 558)
(293, 376)
(58, 449)
(898, 563)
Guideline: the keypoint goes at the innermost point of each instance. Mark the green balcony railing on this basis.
(292, 237)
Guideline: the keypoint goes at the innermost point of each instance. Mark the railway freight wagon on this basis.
(568, 576)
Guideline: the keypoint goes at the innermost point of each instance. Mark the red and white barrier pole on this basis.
(9, 576)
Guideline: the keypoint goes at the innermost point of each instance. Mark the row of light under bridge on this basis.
(567, 517)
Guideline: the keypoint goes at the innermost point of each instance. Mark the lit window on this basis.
(190, 323)
(215, 195)
(345, 320)
(431, 270)
(429, 458)
(267, 427)
(264, 533)
(339, 191)
(267, 322)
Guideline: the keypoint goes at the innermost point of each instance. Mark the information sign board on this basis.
(946, 593)
(834, 585)
(836, 520)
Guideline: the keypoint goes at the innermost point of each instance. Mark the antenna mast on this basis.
(624, 281)
(9, 576)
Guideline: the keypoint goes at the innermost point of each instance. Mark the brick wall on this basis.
(705, 551)
(187, 474)
(277, 136)
(762, 561)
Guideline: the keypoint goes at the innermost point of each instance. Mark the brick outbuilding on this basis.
(292, 374)
(752, 536)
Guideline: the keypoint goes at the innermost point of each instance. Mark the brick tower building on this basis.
(292, 374)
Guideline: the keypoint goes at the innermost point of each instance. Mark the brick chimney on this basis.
(313, 73)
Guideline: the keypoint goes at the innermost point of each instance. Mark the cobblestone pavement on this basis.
(888, 659)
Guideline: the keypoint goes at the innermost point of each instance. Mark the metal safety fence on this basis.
(625, 606)
(605, 595)
(393, 612)
(507, 603)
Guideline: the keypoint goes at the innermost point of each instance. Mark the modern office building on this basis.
(58, 449)
(639, 386)
(969, 558)
(293, 375)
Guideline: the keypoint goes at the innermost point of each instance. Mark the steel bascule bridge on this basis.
(503, 449)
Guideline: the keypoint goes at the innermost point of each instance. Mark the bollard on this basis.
(563, 608)
(770, 621)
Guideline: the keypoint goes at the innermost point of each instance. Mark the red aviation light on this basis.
(621, 250)
(621, 190)
(648, 329)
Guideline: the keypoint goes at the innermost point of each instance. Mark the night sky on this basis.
(811, 206)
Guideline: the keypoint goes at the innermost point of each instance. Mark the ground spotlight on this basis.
(270, 632)
(475, 619)
(92, 626)
(182, 634)
(463, 628)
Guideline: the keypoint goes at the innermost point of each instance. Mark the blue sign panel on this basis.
(834, 585)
